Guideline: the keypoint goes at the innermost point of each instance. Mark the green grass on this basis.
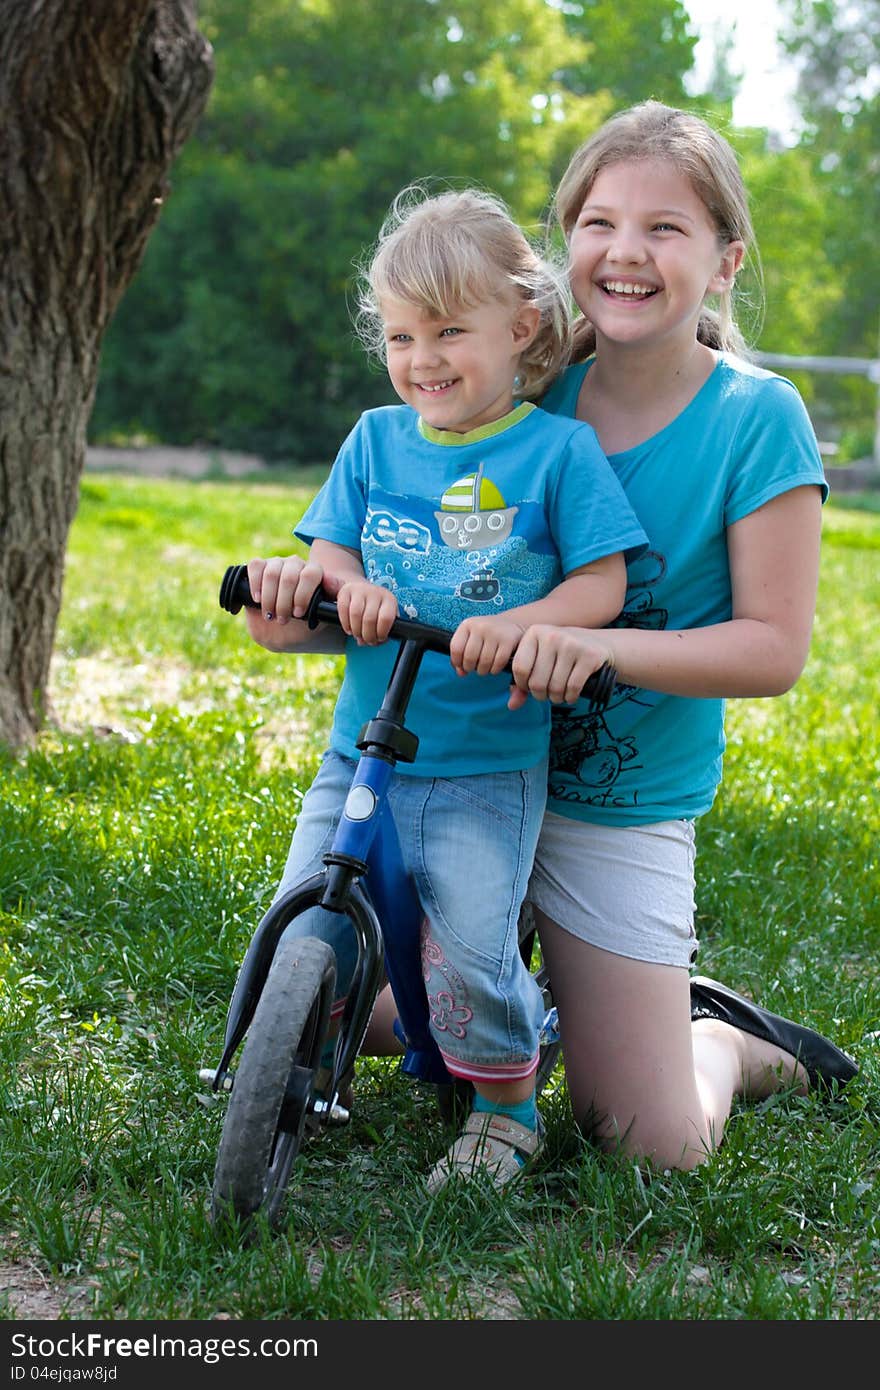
(139, 842)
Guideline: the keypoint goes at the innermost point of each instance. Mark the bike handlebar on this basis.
(235, 594)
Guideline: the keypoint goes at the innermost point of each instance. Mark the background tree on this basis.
(237, 331)
(836, 44)
(793, 222)
(637, 48)
(97, 98)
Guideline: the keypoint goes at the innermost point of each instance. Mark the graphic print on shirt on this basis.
(464, 553)
(589, 762)
(473, 515)
(479, 587)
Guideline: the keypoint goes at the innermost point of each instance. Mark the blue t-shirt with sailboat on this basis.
(458, 526)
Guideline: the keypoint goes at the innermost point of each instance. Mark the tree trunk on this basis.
(97, 97)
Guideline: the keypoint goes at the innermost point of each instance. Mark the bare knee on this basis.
(656, 1141)
(629, 1058)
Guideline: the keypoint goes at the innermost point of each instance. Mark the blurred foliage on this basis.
(836, 45)
(237, 329)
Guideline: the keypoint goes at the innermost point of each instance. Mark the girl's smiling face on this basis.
(645, 253)
(457, 372)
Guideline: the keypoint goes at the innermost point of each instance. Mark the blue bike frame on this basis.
(365, 847)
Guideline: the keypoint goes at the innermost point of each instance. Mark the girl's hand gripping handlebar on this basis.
(235, 594)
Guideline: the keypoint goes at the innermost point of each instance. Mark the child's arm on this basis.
(366, 611)
(759, 651)
(590, 596)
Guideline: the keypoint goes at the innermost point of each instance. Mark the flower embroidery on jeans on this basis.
(447, 1016)
(432, 955)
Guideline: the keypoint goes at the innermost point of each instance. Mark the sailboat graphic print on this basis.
(473, 515)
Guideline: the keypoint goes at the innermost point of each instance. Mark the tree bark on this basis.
(97, 98)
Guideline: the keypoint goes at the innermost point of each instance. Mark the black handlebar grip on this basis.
(235, 591)
(235, 594)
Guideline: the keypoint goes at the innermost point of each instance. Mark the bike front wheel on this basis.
(272, 1086)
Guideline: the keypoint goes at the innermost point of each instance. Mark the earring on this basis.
(517, 382)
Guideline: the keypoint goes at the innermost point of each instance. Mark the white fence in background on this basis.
(840, 366)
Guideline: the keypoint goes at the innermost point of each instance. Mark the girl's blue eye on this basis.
(452, 331)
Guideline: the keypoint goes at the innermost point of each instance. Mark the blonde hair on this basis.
(454, 250)
(651, 130)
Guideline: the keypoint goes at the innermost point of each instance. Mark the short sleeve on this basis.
(776, 450)
(590, 513)
(338, 510)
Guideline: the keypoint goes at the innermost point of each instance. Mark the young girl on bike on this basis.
(720, 463)
(468, 508)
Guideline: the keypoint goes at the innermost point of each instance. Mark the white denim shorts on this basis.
(626, 889)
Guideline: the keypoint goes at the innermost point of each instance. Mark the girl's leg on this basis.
(642, 1078)
(469, 843)
(380, 1039)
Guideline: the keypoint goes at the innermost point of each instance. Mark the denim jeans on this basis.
(468, 843)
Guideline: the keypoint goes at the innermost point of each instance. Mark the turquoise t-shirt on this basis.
(459, 525)
(744, 439)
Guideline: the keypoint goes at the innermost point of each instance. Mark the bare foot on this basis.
(767, 1069)
(763, 1068)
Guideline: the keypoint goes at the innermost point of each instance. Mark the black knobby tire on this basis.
(263, 1127)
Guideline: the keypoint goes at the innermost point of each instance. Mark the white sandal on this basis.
(489, 1143)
